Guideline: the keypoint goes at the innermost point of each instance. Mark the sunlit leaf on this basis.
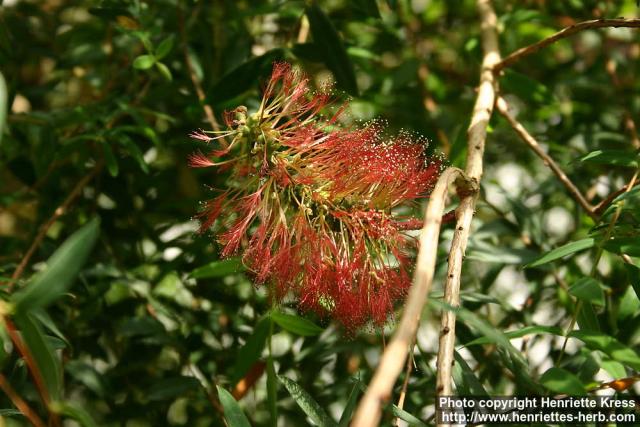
(218, 269)
(296, 324)
(144, 62)
(559, 380)
(609, 345)
(310, 407)
(47, 362)
(588, 289)
(350, 407)
(232, 412)
(563, 251)
(62, 268)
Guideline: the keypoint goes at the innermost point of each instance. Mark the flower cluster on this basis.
(311, 205)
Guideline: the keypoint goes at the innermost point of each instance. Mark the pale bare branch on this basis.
(477, 136)
(566, 32)
(395, 354)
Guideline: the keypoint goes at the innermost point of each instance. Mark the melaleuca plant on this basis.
(311, 205)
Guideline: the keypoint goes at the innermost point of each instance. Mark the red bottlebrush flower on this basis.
(312, 205)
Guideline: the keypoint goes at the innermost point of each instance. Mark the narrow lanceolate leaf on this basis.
(329, 44)
(232, 412)
(609, 345)
(62, 268)
(465, 379)
(144, 62)
(588, 289)
(244, 76)
(218, 269)
(612, 157)
(272, 392)
(562, 251)
(624, 245)
(310, 407)
(559, 380)
(492, 334)
(165, 47)
(296, 324)
(251, 350)
(47, 363)
(110, 159)
(350, 407)
(527, 330)
(412, 420)
(75, 412)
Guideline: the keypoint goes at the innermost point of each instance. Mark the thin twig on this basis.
(20, 403)
(26, 354)
(57, 213)
(630, 125)
(503, 108)
(208, 110)
(477, 136)
(604, 204)
(566, 32)
(405, 383)
(393, 358)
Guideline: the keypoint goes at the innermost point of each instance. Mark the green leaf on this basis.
(296, 324)
(144, 62)
(62, 268)
(405, 416)
(467, 384)
(86, 374)
(165, 47)
(329, 44)
(588, 289)
(218, 269)
(527, 330)
(170, 388)
(3, 105)
(624, 245)
(492, 334)
(110, 158)
(164, 70)
(75, 412)
(367, 8)
(559, 380)
(562, 251)
(135, 152)
(310, 407)
(244, 77)
(48, 324)
(614, 368)
(232, 412)
(633, 275)
(350, 407)
(612, 157)
(272, 391)
(481, 251)
(609, 345)
(44, 356)
(587, 317)
(525, 87)
(251, 350)
(10, 413)
(628, 201)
